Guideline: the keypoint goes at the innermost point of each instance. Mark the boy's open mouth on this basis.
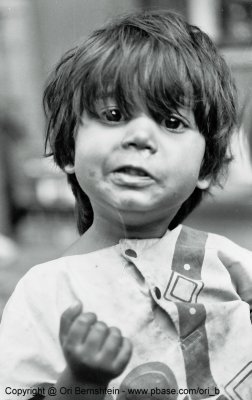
(131, 176)
(133, 171)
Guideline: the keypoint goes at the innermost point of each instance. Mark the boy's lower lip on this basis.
(124, 179)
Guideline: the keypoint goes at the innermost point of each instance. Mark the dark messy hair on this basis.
(151, 58)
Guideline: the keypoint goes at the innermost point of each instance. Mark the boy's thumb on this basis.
(68, 317)
(76, 306)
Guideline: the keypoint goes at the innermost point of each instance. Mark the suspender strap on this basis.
(187, 264)
(189, 251)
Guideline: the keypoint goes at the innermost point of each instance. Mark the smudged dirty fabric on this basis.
(182, 299)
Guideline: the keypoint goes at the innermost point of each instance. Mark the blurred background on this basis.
(36, 205)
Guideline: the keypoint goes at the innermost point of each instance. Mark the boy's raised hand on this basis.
(94, 352)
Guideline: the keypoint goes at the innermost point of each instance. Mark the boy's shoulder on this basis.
(68, 266)
(215, 255)
(224, 248)
(193, 237)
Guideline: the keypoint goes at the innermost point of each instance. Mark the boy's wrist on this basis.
(75, 387)
(78, 378)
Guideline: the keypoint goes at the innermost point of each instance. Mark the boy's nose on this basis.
(140, 134)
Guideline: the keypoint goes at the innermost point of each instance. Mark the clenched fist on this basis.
(94, 352)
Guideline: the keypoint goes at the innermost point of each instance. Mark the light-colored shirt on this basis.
(183, 300)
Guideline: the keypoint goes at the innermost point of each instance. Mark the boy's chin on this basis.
(135, 209)
(133, 206)
(137, 214)
(142, 204)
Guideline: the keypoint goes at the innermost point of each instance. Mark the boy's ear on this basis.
(69, 169)
(204, 183)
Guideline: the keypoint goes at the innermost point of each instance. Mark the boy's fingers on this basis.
(112, 344)
(95, 338)
(80, 328)
(123, 356)
(68, 317)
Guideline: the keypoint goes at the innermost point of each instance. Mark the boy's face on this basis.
(141, 168)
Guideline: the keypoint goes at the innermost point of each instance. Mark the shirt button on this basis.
(192, 311)
(157, 292)
(187, 267)
(131, 253)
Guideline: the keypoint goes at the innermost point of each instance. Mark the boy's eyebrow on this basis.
(104, 100)
(187, 113)
(106, 95)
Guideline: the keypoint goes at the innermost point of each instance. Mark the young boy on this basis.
(140, 117)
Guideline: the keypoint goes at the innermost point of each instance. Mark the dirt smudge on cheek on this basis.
(91, 173)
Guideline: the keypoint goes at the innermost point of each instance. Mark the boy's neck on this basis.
(105, 234)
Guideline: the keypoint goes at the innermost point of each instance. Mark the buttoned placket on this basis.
(137, 257)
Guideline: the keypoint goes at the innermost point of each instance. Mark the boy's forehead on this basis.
(139, 92)
(146, 81)
(105, 94)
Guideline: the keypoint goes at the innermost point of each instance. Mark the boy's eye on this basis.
(174, 124)
(112, 115)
